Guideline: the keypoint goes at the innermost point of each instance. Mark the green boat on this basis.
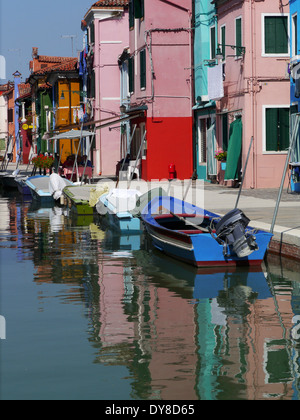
(83, 198)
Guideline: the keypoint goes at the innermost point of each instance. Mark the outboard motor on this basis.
(231, 232)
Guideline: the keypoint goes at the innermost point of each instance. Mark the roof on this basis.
(49, 59)
(111, 3)
(67, 65)
(24, 90)
(105, 4)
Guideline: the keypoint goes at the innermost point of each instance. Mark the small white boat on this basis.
(117, 209)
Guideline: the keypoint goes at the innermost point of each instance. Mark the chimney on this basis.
(35, 52)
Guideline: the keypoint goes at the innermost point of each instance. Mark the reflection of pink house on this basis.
(107, 28)
(256, 85)
(173, 363)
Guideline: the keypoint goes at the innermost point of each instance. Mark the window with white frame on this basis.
(275, 34)
(276, 128)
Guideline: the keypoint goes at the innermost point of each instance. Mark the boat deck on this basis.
(79, 192)
(40, 183)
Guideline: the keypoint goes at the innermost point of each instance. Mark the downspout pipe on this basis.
(253, 96)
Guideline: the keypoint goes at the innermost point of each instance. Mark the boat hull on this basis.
(201, 249)
(123, 222)
(78, 199)
(40, 189)
(9, 182)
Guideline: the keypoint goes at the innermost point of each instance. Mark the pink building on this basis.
(253, 39)
(107, 36)
(160, 86)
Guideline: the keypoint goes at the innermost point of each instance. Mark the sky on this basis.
(38, 23)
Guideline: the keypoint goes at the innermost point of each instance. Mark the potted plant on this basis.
(221, 156)
(43, 162)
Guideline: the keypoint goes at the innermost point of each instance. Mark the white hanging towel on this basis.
(215, 82)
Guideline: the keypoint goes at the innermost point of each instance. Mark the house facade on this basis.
(160, 88)
(25, 122)
(9, 95)
(3, 119)
(106, 26)
(253, 41)
(205, 46)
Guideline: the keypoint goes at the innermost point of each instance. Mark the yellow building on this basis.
(66, 90)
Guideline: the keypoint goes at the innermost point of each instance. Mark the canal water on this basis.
(92, 315)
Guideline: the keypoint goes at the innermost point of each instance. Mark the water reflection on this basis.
(181, 333)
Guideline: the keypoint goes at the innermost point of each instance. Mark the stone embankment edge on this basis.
(285, 242)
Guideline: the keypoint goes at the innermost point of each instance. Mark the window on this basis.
(223, 40)
(143, 69)
(136, 11)
(275, 35)
(212, 42)
(225, 131)
(277, 127)
(131, 74)
(294, 35)
(11, 115)
(92, 33)
(238, 36)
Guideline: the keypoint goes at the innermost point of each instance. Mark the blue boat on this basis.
(117, 210)
(47, 189)
(202, 238)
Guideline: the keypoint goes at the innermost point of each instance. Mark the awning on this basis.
(76, 134)
(72, 134)
(234, 150)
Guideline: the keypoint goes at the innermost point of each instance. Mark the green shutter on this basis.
(131, 14)
(131, 74)
(223, 38)
(212, 42)
(143, 69)
(238, 36)
(139, 9)
(284, 128)
(276, 35)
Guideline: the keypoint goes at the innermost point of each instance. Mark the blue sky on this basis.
(38, 23)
